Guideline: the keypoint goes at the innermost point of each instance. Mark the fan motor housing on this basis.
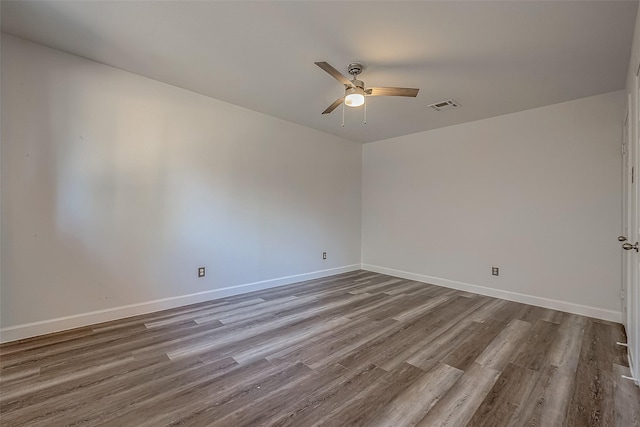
(354, 68)
(358, 83)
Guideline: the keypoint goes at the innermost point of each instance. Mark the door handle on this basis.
(629, 246)
(622, 239)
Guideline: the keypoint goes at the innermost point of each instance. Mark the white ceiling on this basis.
(492, 57)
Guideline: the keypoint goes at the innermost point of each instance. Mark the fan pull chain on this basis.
(342, 113)
(365, 110)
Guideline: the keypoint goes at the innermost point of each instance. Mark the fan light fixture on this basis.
(355, 90)
(354, 97)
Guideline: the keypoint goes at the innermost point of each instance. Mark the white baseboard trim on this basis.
(29, 330)
(598, 313)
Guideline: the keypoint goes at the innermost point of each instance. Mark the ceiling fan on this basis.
(355, 90)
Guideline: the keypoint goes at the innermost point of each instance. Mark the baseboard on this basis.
(29, 330)
(598, 313)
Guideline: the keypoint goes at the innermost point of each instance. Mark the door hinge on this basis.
(633, 174)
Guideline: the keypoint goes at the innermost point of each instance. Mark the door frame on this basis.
(626, 208)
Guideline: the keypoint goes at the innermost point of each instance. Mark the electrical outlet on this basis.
(495, 271)
(324, 255)
(200, 271)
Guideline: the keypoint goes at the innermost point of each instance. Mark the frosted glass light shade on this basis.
(354, 97)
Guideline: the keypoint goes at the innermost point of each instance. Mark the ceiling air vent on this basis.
(444, 105)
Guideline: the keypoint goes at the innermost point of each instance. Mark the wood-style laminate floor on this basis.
(356, 349)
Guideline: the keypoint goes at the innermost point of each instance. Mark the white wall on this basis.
(536, 193)
(115, 188)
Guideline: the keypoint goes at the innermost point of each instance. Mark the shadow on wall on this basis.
(143, 198)
(129, 192)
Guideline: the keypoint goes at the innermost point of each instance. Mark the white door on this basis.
(633, 291)
(632, 294)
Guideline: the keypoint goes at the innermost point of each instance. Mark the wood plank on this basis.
(465, 351)
(549, 399)
(498, 353)
(506, 399)
(328, 400)
(564, 352)
(370, 403)
(164, 404)
(592, 396)
(401, 342)
(460, 402)
(533, 353)
(414, 403)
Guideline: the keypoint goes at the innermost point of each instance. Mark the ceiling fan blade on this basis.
(333, 106)
(392, 91)
(335, 73)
